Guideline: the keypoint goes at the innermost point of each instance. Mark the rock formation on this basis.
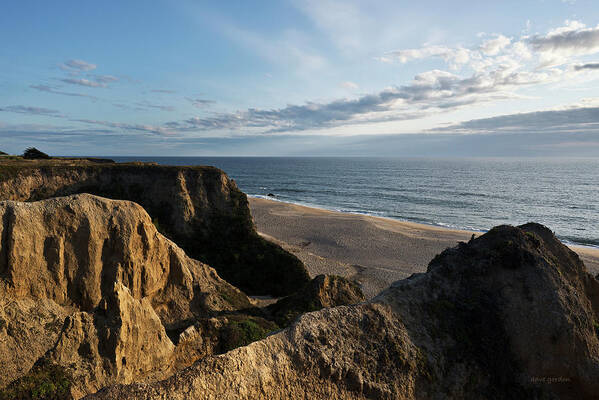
(199, 208)
(323, 291)
(89, 284)
(511, 314)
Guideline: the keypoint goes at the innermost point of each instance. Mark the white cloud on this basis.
(78, 65)
(349, 85)
(83, 82)
(492, 47)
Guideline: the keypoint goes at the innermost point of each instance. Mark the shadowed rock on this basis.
(512, 314)
(322, 291)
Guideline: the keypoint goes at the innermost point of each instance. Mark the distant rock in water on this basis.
(271, 195)
(511, 314)
(199, 208)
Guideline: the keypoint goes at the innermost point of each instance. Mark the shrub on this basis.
(32, 153)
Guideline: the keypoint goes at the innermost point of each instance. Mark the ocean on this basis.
(473, 194)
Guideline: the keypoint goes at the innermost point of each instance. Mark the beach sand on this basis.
(371, 250)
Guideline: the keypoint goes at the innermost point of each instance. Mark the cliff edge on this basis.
(199, 208)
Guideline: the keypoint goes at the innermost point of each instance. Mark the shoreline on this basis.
(372, 250)
(423, 225)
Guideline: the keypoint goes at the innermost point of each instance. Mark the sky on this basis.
(300, 78)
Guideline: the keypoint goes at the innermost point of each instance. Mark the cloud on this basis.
(158, 130)
(586, 66)
(494, 46)
(557, 47)
(54, 90)
(78, 65)
(200, 103)
(349, 85)
(570, 120)
(105, 78)
(454, 56)
(160, 107)
(572, 39)
(32, 110)
(83, 82)
(167, 91)
(431, 91)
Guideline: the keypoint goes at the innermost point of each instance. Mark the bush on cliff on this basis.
(45, 381)
(32, 153)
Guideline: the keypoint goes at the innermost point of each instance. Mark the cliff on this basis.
(199, 208)
(511, 314)
(90, 285)
(91, 294)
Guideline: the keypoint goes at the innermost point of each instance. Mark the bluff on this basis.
(199, 208)
(511, 314)
(91, 294)
(88, 284)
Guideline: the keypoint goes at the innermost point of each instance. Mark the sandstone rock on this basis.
(88, 284)
(122, 342)
(512, 314)
(28, 328)
(200, 208)
(322, 291)
(73, 249)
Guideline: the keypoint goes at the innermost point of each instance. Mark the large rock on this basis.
(200, 208)
(73, 249)
(512, 314)
(28, 328)
(89, 284)
(122, 342)
(323, 291)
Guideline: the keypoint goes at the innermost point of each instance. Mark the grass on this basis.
(244, 330)
(45, 381)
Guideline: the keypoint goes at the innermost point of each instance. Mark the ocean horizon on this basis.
(471, 194)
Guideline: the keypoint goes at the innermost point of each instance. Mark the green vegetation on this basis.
(3, 153)
(44, 382)
(32, 153)
(243, 330)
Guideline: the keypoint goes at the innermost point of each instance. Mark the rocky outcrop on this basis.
(323, 291)
(88, 284)
(512, 314)
(199, 208)
(73, 249)
(122, 341)
(28, 328)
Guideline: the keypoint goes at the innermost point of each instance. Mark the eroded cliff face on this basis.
(199, 208)
(88, 284)
(512, 314)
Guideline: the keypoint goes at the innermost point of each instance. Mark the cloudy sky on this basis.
(300, 77)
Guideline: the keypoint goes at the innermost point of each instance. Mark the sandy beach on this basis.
(373, 251)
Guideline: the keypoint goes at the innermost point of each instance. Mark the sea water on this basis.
(473, 194)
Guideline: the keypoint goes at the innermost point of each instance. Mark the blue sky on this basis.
(300, 77)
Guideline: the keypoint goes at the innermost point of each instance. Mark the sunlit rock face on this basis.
(199, 208)
(90, 285)
(512, 314)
